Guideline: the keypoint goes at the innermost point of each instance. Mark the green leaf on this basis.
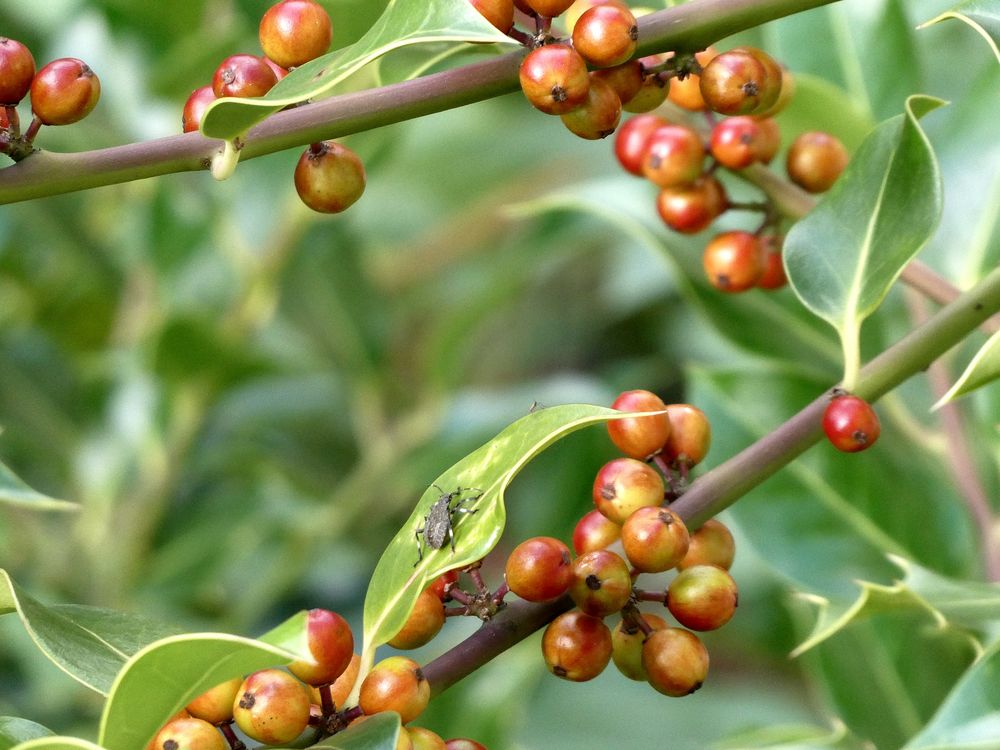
(380, 732)
(14, 491)
(397, 581)
(163, 677)
(969, 607)
(793, 737)
(404, 22)
(969, 718)
(89, 644)
(14, 730)
(844, 256)
(58, 743)
(982, 15)
(984, 368)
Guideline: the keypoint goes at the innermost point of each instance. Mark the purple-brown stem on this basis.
(234, 742)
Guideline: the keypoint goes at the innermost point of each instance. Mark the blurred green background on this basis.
(246, 399)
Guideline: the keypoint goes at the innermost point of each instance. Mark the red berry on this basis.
(279, 72)
(598, 116)
(624, 485)
(576, 646)
(17, 69)
(773, 276)
(294, 32)
(732, 261)
(601, 583)
(632, 138)
(243, 75)
(329, 177)
(341, 687)
(442, 583)
(736, 142)
(693, 207)
(674, 156)
(272, 706)
(554, 79)
(594, 531)
(331, 644)
(500, 13)
(690, 435)
(850, 423)
(195, 107)
(675, 660)
(815, 161)
(639, 437)
(606, 35)
(702, 597)
(64, 91)
(540, 569)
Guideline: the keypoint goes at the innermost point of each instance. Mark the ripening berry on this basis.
(674, 156)
(548, 8)
(732, 261)
(743, 81)
(686, 92)
(395, 684)
(651, 94)
(64, 91)
(711, 544)
(424, 739)
(702, 597)
(189, 734)
(690, 435)
(539, 569)
(424, 622)
(17, 69)
(576, 646)
(195, 107)
(639, 437)
(331, 644)
(272, 707)
(773, 276)
(554, 79)
(693, 207)
(601, 583)
(598, 116)
(500, 13)
(770, 139)
(736, 142)
(216, 705)
(850, 423)
(594, 531)
(815, 161)
(442, 584)
(578, 8)
(279, 72)
(787, 92)
(675, 660)
(606, 35)
(625, 79)
(294, 32)
(623, 485)
(461, 743)
(654, 539)
(632, 138)
(341, 687)
(626, 646)
(243, 75)
(329, 177)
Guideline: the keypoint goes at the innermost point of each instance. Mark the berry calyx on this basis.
(64, 91)
(195, 107)
(395, 684)
(624, 485)
(850, 423)
(674, 156)
(188, 734)
(598, 116)
(639, 437)
(539, 569)
(272, 707)
(331, 644)
(691, 208)
(17, 69)
(576, 646)
(632, 138)
(554, 79)
(815, 161)
(329, 177)
(243, 75)
(500, 13)
(424, 622)
(655, 539)
(742, 81)
(675, 660)
(732, 261)
(702, 597)
(606, 35)
(294, 32)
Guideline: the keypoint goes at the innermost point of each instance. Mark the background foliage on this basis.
(247, 399)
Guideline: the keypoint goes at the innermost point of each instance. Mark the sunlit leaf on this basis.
(404, 22)
(14, 730)
(380, 732)
(844, 256)
(57, 743)
(982, 15)
(164, 677)
(13, 491)
(984, 368)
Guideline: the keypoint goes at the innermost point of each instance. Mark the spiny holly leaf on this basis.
(969, 718)
(398, 578)
(91, 645)
(844, 256)
(165, 676)
(380, 732)
(58, 743)
(403, 23)
(794, 737)
(984, 368)
(14, 491)
(14, 730)
(982, 15)
(969, 607)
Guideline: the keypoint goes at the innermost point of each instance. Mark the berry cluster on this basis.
(63, 92)
(329, 177)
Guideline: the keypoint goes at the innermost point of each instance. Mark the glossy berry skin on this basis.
(243, 75)
(639, 437)
(294, 32)
(702, 597)
(195, 107)
(626, 646)
(675, 660)
(329, 177)
(548, 8)
(594, 531)
(576, 646)
(736, 142)
(188, 734)
(395, 684)
(17, 69)
(500, 13)
(787, 92)
(424, 622)
(606, 35)
(815, 161)
(769, 141)
(690, 435)
(279, 72)
(674, 156)
(554, 79)
(216, 705)
(424, 739)
(331, 644)
(711, 544)
(539, 569)
(732, 261)
(773, 275)
(650, 95)
(632, 138)
(624, 485)
(692, 208)
(743, 81)
(341, 687)
(850, 423)
(598, 116)
(624, 79)
(655, 539)
(64, 91)
(272, 707)
(461, 743)
(601, 583)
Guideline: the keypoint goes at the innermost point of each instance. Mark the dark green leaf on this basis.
(14, 730)
(984, 368)
(380, 732)
(57, 743)
(14, 491)
(982, 15)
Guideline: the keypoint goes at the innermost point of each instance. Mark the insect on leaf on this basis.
(982, 15)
